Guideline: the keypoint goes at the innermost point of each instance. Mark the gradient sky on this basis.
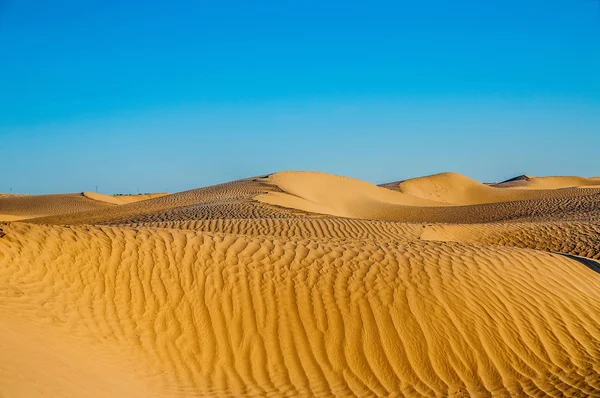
(174, 95)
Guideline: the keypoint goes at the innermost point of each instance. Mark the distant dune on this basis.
(454, 188)
(285, 195)
(30, 206)
(337, 196)
(551, 182)
(123, 199)
(20, 207)
(305, 284)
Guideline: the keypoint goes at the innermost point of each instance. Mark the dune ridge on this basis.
(454, 188)
(20, 207)
(30, 206)
(335, 196)
(549, 182)
(231, 199)
(124, 199)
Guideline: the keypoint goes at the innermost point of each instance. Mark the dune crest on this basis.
(457, 189)
(336, 195)
(451, 188)
(122, 199)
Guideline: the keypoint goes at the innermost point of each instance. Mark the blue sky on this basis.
(174, 95)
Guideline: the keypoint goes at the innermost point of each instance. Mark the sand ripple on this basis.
(215, 314)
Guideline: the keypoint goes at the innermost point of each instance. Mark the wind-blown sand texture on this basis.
(307, 284)
(20, 207)
(30, 206)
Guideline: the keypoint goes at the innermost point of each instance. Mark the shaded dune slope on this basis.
(548, 182)
(210, 314)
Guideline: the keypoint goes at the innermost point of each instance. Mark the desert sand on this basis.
(22, 207)
(550, 182)
(305, 284)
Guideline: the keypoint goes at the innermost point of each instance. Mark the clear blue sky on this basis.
(173, 95)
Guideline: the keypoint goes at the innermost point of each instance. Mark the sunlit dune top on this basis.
(336, 195)
(454, 188)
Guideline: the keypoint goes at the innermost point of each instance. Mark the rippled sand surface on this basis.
(307, 284)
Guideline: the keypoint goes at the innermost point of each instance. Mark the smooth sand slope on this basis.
(307, 284)
(337, 196)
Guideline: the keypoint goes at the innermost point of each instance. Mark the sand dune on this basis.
(228, 315)
(422, 200)
(570, 237)
(577, 238)
(230, 200)
(29, 206)
(454, 188)
(310, 195)
(335, 195)
(518, 178)
(20, 207)
(123, 199)
(305, 284)
(550, 182)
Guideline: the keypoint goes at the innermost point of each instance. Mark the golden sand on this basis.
(551, 182)
(123, 199)
(305, 284)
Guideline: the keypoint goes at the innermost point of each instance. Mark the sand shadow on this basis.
(588, 262)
